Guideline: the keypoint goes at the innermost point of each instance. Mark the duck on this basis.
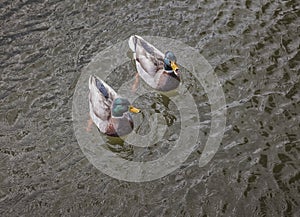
(158, 70)
(109, 111)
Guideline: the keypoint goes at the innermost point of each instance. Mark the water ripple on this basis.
(253, 47)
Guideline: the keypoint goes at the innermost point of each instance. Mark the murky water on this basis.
(253, 47)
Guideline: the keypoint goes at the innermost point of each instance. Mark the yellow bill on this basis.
(174, 66)
(133, 109)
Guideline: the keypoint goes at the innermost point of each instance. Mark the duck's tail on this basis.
(132, 42)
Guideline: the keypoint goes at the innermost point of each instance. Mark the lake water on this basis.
(253, 47)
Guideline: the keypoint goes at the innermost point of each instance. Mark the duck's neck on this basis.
(168, 68)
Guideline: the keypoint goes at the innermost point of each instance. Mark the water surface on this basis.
(253, 47)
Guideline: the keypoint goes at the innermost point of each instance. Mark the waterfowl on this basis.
(109, 111)
(158, 70)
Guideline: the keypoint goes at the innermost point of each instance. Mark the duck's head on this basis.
(121, 106)
(170, 62)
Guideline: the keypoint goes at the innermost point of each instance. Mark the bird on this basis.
(109, 111)
(158, 70)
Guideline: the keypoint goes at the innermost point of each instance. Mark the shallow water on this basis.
(253, 47)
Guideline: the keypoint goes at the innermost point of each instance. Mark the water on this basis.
(253, 47)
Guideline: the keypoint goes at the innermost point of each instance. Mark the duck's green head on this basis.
(122, 105)
(170, 62)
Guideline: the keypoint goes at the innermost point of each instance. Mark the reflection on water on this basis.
(253, 47)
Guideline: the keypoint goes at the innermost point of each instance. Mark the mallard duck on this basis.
(158, 70)
(108, 110)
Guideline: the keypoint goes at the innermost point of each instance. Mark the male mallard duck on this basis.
(158, 70)
(108, 110)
